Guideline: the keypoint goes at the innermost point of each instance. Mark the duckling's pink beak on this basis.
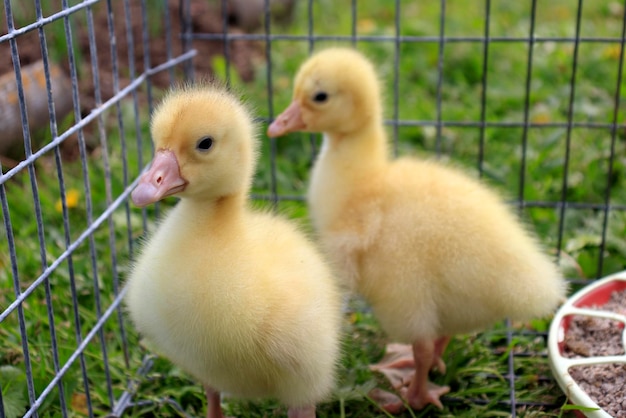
(288, 121)
(161, 180)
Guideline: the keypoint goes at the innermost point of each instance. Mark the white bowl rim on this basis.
(560, 365)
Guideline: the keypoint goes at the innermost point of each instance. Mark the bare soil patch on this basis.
(599, 337)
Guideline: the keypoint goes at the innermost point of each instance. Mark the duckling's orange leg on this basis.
(421, 392)
(302, 412)
(440, 346)
(214, 406)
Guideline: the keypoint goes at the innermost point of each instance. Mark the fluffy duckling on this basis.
(239, 299)
(435, 252)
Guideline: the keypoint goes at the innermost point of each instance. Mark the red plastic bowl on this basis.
(596, 294)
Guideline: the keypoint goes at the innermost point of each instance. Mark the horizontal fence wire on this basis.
(95, 113)
(401, 39)
(42, 21)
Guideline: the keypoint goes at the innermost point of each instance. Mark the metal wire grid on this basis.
(133, 91)
(138, 89)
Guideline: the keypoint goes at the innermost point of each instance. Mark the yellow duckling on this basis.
(239, 299)
(435, 252)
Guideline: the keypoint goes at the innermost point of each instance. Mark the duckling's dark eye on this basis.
(320, 97)
(205, 144)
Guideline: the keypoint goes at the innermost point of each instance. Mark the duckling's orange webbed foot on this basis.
(386, 400)
(420, 395)
(406, 367)
(398, 365)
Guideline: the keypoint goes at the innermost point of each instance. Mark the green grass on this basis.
(477, 364)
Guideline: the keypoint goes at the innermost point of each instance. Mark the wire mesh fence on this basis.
(525, 95)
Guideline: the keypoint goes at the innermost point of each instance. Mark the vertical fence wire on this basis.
(310, 33)
(16, 289)
(527, 96)
(167, 20)
(42, 241)
(522, 184)
(568, 134)
(353, 22)
(13, 255)
(396, 79)
(147, 62)
(226, 43)
(511, 369)
(270, 104)
(125, 180)
(311, 45)
(483, 92)
(89, 197)
(186, 29)
(73, 288)
(440, 60)
(2, 199)
(145, 43)
(44, 265)
(120, 121)
(611, 158)
(132, 72)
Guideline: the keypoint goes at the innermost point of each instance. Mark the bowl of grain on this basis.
(586, 348)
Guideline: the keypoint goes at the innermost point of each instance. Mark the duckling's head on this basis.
(335, 91)
(205, 146)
